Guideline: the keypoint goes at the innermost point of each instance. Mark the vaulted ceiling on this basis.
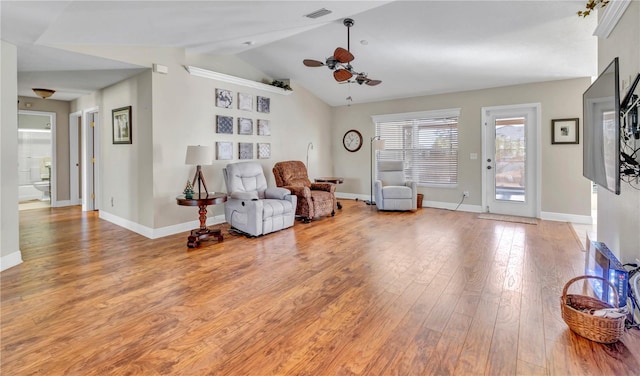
(414, 47)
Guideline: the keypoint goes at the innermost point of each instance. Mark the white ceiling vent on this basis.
(318, 13)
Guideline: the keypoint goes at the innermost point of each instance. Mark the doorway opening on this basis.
(36, 159)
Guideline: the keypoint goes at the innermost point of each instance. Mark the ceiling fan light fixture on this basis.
(43, 93)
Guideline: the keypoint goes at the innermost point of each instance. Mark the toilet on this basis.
(44, 187)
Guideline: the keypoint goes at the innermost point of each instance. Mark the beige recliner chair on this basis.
(252, 207)
(392, 190)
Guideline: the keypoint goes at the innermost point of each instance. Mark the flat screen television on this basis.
(601, 146)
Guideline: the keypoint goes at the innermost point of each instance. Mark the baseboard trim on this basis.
(10, 260)
(452, 206)
(59, 204)
(151, 233)
(563, 217)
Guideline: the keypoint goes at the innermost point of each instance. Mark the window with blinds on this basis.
(426, 141)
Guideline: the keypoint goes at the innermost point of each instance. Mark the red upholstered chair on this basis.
(314, 199)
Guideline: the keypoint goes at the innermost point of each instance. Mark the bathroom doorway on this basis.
(36, 159)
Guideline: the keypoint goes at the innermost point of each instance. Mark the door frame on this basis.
(538, 149)
(53, 199)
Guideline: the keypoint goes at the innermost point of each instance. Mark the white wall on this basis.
(564, 190)
(619, 216)
(9, 225)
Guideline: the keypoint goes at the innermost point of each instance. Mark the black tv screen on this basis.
(601, 147)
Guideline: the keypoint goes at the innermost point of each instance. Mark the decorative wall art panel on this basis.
(264, 104)
(224, 124)
(224, 150)
(224, 98)
(245, 150)
(245, 126)
(245, 102)
(264, 128)
(264, 150)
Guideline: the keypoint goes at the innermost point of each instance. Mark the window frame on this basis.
(416, 121)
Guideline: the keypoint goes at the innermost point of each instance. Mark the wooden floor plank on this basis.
(362, 293)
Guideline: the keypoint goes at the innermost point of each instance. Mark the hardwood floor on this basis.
(434, 292)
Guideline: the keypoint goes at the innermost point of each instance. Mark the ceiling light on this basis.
(318, 13)
(43, 93)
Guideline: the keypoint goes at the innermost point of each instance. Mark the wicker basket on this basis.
(598, 329)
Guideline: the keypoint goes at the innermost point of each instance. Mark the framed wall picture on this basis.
(264, 104)
(264, 128)
(245, 150)
(565, 131)
(245, 126)
(121, 123)
(224, 98)
(245, 102)
(264, 150)
(224, 150)
(224, 124)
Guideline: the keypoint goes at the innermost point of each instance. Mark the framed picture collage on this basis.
(244, 125)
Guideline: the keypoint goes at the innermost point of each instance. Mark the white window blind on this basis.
(426, 141)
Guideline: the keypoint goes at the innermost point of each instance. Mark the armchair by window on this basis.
(251, 206)
(392, 191)
(314, 199)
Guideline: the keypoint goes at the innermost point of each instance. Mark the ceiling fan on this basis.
(340, 63)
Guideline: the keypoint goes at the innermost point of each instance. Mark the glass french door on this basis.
(509, 165)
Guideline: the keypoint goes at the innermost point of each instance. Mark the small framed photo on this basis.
(264, 128)
(224, 98)
(245, 102)
(245, 126)
(264, 150)
(565, 131)
(224, 150)
(224, 124)
(245, 150)
(121, 123)
(264, 104)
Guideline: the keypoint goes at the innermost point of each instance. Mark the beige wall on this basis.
(182, 112)
(9, 239)
(619, 216)
(564, 190)
(61, 109)
(125, 170)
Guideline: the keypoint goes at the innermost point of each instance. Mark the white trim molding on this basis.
(10, 260)
(156, 233)
(611, 15)
(564, 217)
(200, 72)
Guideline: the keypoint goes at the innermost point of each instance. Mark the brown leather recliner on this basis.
(314, 199)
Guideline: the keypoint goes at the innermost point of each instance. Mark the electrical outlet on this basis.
(465, 194)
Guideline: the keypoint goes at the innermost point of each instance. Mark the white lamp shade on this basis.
(199, 155)
(378, 144)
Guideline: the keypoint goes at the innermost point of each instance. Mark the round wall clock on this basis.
(352, 140)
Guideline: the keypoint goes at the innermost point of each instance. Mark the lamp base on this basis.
(369, 202)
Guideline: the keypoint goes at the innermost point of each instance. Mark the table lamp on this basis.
(199, 155)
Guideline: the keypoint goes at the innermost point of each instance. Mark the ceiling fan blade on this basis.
(312, 63)
(343, 55)
(373, 82)
(342, 75)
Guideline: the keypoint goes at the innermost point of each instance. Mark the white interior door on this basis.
(74, 157)
(510, 160)
(88, 160)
